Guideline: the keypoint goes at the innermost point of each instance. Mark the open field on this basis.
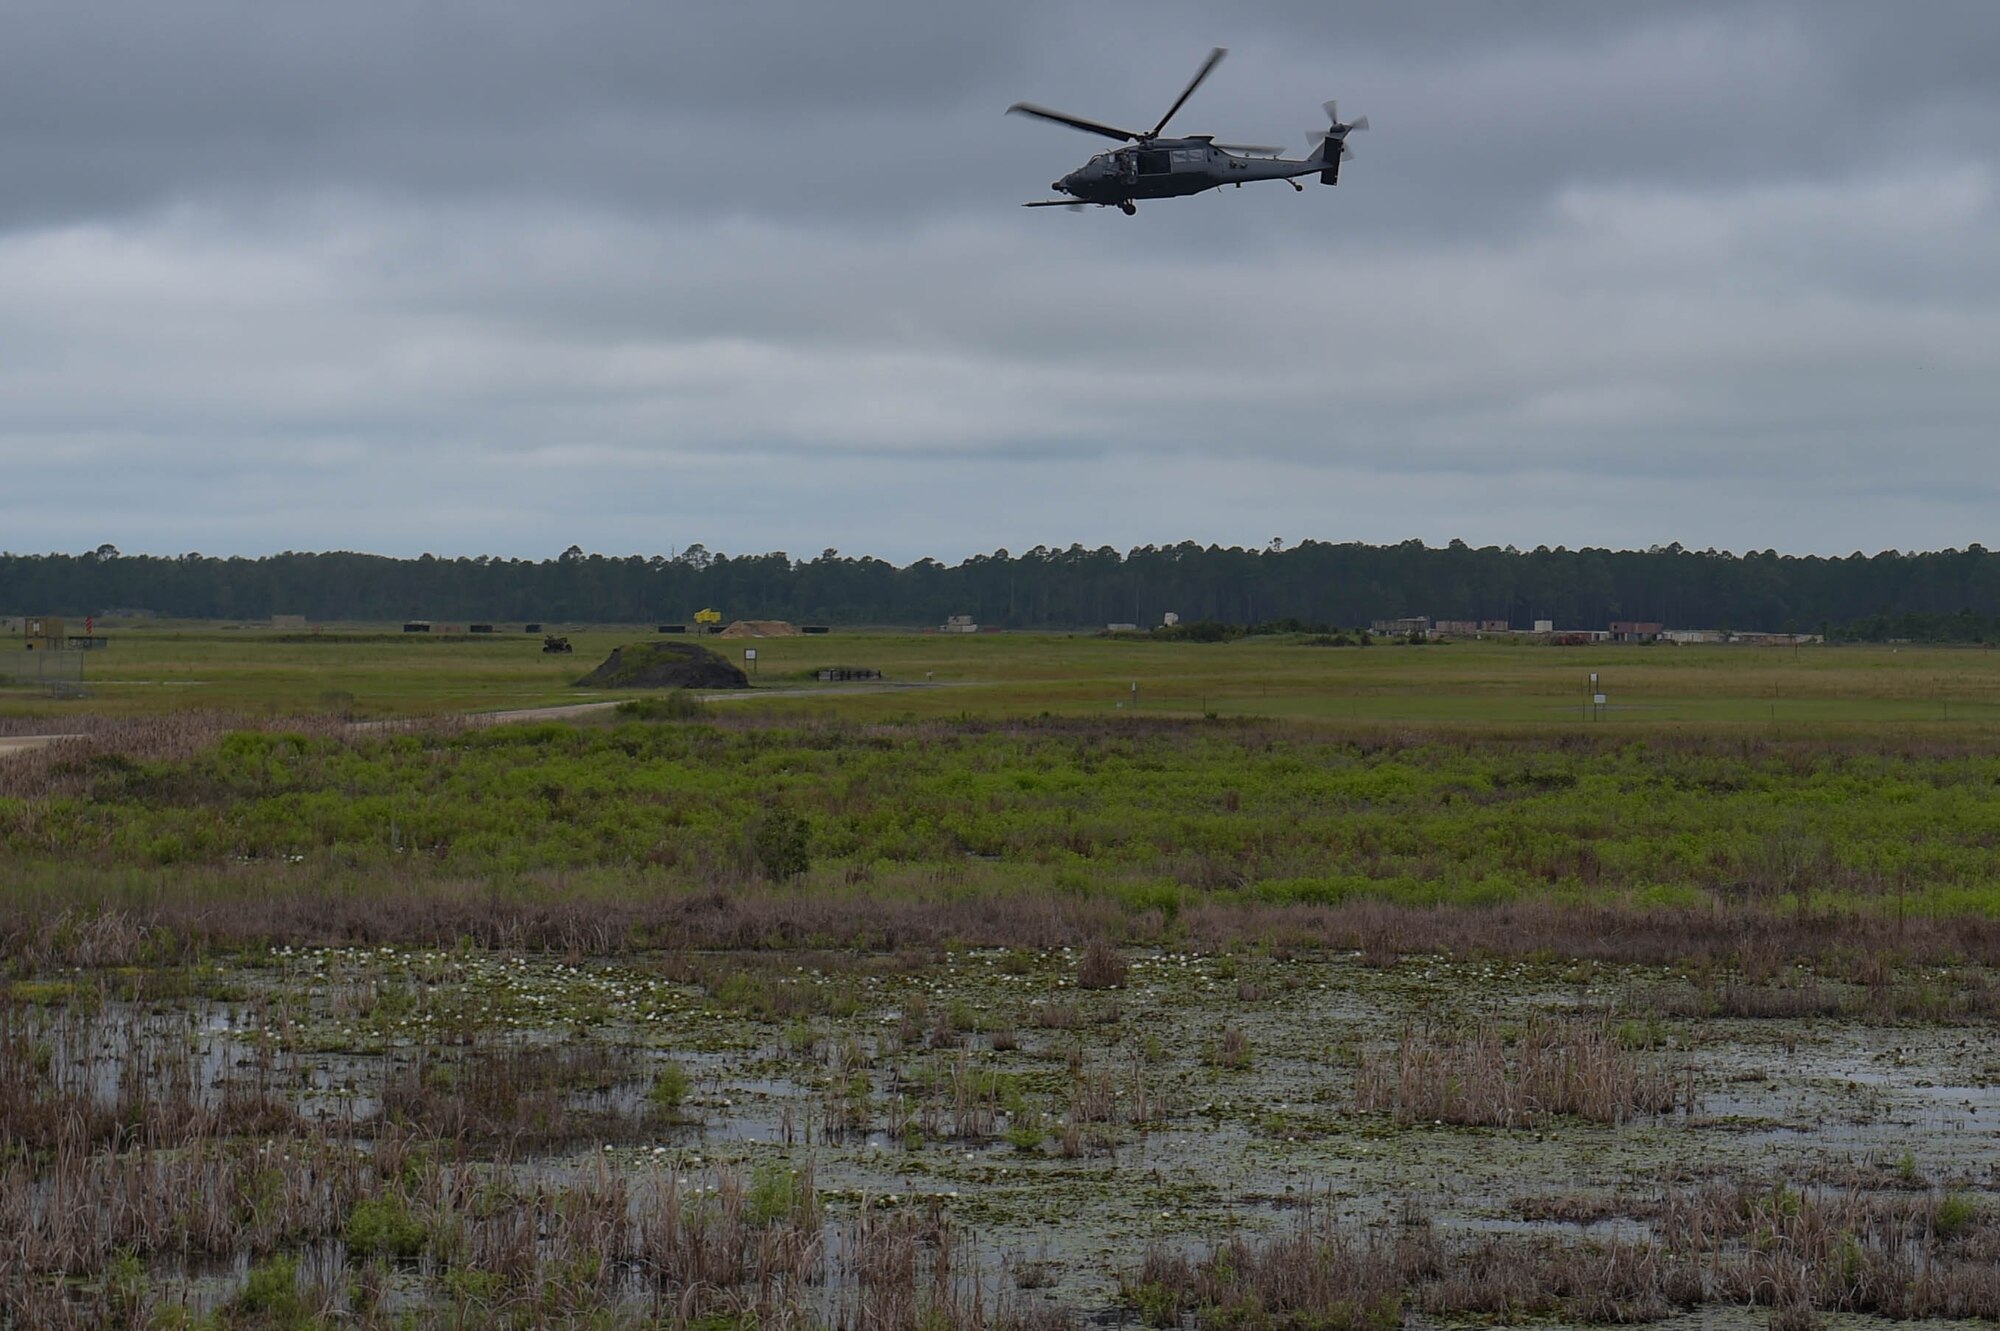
(370, 671)
(1327, 987)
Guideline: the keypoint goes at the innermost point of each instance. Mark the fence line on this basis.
(42, 667)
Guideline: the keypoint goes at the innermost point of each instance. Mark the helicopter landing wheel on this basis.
(1128, 207)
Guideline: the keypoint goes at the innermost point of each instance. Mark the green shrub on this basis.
(669, 1092)
(270, 1298)
(1956, 1213)
(782, 843)
(384, 1227)
(776, 1193)
(677, 705)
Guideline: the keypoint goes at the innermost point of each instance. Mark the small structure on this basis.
(478, 628)
(1170, 619)
(42, 633)
(416, 626)
(1545, 626)
(842, 674)
(1409, 626)
(672, 628)
(531, 628)
(1633, 630)
(958, 624)
(1121, 628)
(47, 656)
(815, 628)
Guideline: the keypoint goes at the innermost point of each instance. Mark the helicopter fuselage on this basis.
(1169, 168)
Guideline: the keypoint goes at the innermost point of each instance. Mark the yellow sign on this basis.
(708, 616)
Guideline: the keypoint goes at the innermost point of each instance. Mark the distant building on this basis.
(41, 632)
(1170, 619)
(1545, 626)
(1495, 626)
(958, 624)
(1633, 630)
(1121, 628)
(1420, 625)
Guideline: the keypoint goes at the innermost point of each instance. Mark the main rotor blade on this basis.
(1074, 122)
(1208, 67)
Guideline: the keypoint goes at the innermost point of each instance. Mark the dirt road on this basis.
(22, 743)
(560, 712)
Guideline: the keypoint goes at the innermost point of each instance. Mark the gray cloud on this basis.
(497, 278)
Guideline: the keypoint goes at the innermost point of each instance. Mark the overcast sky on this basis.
(500, 277)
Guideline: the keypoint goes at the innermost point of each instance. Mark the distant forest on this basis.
(1950, 595)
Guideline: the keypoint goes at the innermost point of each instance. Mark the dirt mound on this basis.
(759, 628)
(664, 665)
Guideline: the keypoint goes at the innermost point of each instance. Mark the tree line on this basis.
(1946, 595)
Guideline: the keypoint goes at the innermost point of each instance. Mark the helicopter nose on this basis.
(1061, 186)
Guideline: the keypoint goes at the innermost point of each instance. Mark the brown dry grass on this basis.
(257, 905)
(1554, 1067)
(1801, 1254)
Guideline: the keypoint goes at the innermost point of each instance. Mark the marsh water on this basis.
(1066, 1131)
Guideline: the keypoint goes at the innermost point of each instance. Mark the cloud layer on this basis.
(500, 278)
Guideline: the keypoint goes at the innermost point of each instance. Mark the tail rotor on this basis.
(1330, 144)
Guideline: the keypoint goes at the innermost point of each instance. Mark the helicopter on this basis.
(1157, 168)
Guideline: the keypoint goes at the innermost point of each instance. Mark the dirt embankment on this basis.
(664, 665)
(759, 628)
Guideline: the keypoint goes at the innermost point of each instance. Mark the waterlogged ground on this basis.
(1068, 1129)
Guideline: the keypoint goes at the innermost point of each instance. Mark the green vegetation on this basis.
(384, 1227)
(669, 1092)
(1158, 816)
(673, 705)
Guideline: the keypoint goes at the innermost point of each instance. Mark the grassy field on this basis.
(1309, 988)
(371, 671)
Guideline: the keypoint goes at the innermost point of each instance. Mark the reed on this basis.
(1554, 1067)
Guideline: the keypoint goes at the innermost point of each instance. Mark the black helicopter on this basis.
(1157, 168)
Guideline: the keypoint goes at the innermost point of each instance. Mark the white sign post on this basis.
(750, 655)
